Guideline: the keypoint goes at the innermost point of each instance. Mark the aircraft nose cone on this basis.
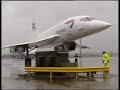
(106, 24)
(101, 25)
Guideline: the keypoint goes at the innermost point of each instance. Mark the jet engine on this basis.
(66, 46)
(17, 49)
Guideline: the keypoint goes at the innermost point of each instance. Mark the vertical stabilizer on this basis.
(33, 33)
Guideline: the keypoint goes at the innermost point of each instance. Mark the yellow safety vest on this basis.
(108, 56)
(106, 59)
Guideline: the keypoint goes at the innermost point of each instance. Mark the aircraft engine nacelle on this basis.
(17, 49)
(66, 46)
(71, 46)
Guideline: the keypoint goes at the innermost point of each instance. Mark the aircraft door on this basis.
(81, 27)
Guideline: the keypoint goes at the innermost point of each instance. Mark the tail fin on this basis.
(33, 25)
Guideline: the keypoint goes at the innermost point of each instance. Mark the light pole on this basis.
(80, 54)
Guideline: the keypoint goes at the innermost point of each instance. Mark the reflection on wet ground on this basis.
(11, 68)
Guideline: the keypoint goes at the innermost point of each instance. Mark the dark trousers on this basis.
(75, 60)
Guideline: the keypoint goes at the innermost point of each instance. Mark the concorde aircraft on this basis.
(63, 35)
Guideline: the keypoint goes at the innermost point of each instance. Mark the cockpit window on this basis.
(87, 19)
(92, 18)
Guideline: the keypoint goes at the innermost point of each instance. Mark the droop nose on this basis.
(101, 25)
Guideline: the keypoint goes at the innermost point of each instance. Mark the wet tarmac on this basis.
(11, 68)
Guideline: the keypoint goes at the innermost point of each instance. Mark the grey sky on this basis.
(17, 19)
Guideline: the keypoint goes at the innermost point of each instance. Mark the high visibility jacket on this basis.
(106, 57)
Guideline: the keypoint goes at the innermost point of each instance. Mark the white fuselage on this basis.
(75, 28)
(62, 34)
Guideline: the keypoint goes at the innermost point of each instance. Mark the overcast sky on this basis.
(17, 19)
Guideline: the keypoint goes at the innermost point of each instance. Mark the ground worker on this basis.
(76, 56)
(106, 57)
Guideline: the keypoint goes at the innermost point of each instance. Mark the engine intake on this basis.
(66, 46)
(17, 48)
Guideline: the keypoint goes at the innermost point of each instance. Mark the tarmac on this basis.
(11, 68)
